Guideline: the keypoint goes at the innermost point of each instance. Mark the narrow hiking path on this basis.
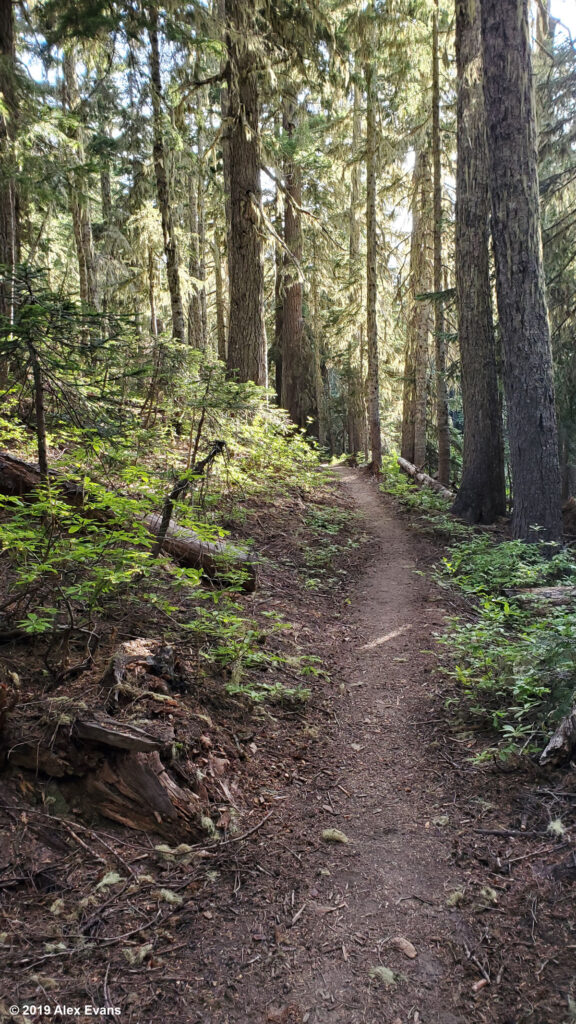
(305, 948)
(392, 883)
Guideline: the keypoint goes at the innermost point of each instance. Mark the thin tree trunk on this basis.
(220, 303)
(40, 413)
(481, 497)
(278, 299)
(246, 335)
(162, 184)
(294, 369)
(372, 272)
(356, 404)
(197, 322)
(322, 403)
(79, 201)
(439, 330)
(528, 377)
(420, 316)
(9, 212)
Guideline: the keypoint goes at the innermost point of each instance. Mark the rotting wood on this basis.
(424, 479)
(550, 596)
(562, 745)
(123, 766)
(215, 558)
(150, 662)
(101, 728)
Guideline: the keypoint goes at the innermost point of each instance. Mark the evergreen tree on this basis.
(528, 381)
(481, 496)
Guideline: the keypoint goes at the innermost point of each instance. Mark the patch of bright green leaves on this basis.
(516, 666)
(69, 562)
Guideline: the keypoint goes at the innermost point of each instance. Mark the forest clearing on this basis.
(287, 511)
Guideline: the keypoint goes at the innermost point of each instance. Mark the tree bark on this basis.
(442, 417)
(162, 184)
(295, 371)
(246, 335)
(372, 271)
(481, 496)
(219, 298)
(9, 211)
(278, 296)
(528, 378)
(356, 400)
(415, 394)
(79, 201)
(320, 381)
(197, 319)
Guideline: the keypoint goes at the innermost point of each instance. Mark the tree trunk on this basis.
(295, 384)
(481, 497)
(320, 383)
(278, 296)
(439, 329)
(246, 335)
(162, 184)
(197, 322)
(9, 213)
(79, 202)
(413, 446)
(524, 327)
(356, 402)
(372, 271)
(220, 307)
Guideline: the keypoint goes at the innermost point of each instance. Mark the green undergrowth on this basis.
(68, 570)
(429, 510)
(514, 666)
(333, 531)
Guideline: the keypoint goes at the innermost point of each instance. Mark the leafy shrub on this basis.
(516, 666)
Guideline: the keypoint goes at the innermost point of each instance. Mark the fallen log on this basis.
(423, 479)
(562, 745)
(215, 558)
(548, 596)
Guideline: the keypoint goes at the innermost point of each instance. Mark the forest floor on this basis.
(379, 877)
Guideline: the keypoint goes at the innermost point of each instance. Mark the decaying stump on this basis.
(143, 665)
(562, 745)
(139, 761)
(138, 791)
(216, 558)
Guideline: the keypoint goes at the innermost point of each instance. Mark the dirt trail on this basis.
(307, 940)
(393, 800)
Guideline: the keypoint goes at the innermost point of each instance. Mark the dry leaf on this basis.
(404, 946)
(334, 835)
